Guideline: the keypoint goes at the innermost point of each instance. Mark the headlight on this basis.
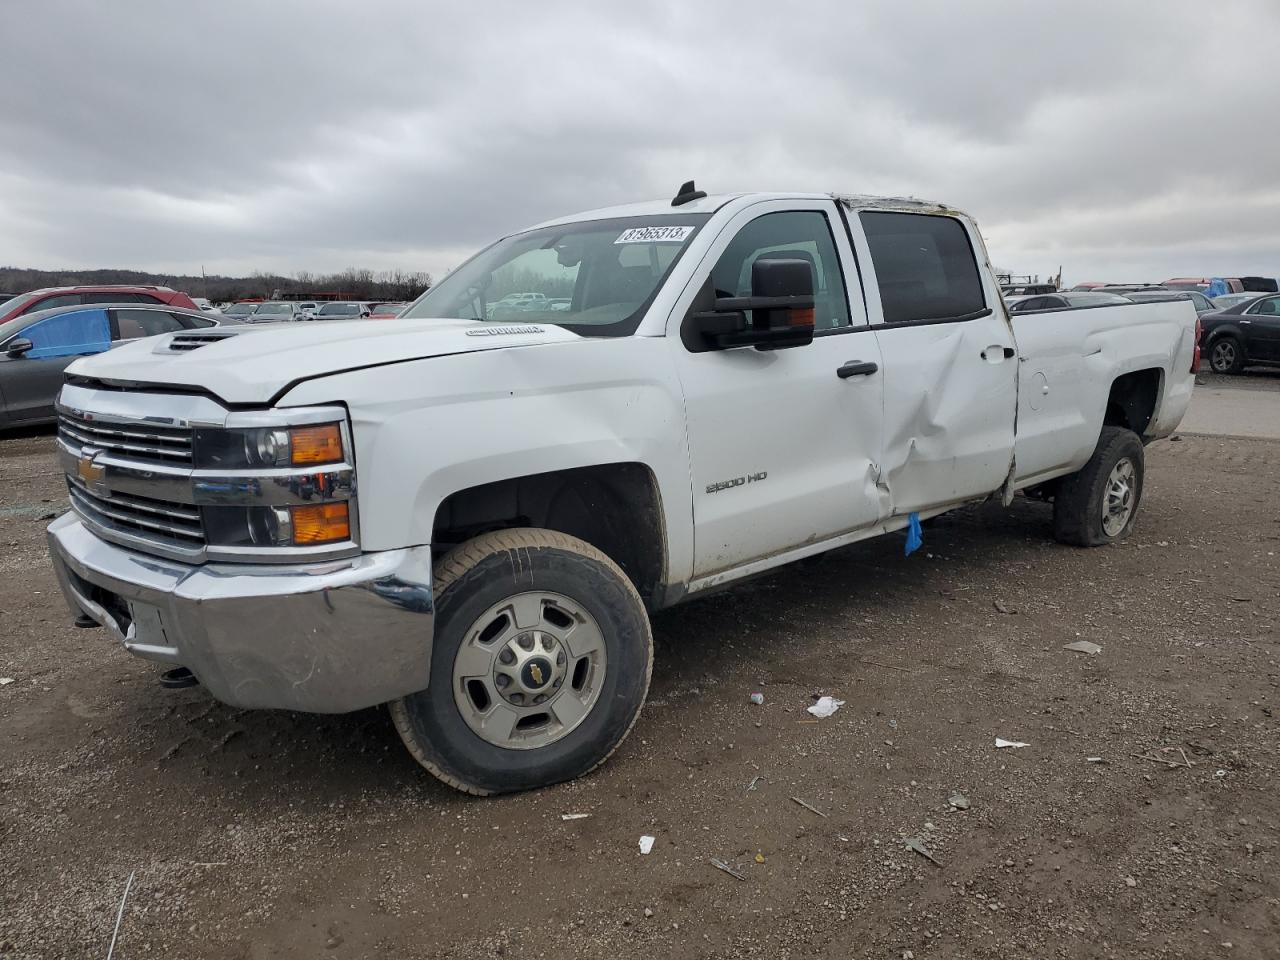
(306, 525)
(268, 447)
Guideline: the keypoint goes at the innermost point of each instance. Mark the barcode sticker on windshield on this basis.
(655, 235)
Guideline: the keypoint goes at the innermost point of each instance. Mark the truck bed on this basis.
(1069, 361)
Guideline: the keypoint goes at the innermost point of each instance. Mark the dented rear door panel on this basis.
(950, 386)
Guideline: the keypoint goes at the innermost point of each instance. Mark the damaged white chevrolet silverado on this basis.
(468, 513)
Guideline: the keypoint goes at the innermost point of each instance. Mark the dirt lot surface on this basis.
(273, 835)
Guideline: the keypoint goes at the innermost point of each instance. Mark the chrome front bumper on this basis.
(323, 637)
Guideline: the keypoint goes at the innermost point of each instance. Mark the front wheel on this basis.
(1097, 504)
(540, 664)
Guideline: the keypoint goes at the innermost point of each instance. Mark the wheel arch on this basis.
(615, 507)
(1134, 399)
(1225, 330)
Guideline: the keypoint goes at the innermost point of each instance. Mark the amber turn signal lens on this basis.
(322, 444)
(322, 523)
(801, 317)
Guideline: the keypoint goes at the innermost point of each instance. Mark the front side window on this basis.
(133, 324)
(49, 303)
(595, 277)
(925, 267)
(790, 235)
(69, 335)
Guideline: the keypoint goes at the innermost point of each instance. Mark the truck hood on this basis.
(254, 364)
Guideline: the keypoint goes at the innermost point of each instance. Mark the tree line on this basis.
(357, 283)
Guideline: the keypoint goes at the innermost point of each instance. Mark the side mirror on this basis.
(19, 347)
(781, 306)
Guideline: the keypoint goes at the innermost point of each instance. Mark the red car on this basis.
(51, 297)
(386, 311)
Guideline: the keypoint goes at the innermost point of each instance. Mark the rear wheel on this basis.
(1226, 355)
(1097, 505)
(540, 664)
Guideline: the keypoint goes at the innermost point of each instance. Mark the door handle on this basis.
(856, 368)
(995, 353)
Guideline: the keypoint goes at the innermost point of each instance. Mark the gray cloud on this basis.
(1125, 141)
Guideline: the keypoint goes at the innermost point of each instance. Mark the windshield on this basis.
(13, 303)
(1226, 300)
(238, 309)
(272, 308)
(339, 310)
(595, 277)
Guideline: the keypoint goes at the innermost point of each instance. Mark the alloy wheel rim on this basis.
(1224, 355)
(1118, 501)
(529, 670)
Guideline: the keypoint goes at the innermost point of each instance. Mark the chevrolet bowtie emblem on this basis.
(93, 475)
(535, 670)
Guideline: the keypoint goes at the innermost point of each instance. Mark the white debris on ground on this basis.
(825, 707)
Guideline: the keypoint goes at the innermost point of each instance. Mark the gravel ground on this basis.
(277, 835)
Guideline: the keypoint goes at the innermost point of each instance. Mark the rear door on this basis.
(32, 381)
(949, 359)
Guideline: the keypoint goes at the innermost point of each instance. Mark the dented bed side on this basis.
(1069, 361)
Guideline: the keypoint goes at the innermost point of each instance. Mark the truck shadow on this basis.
(845, 595)
(761, 631)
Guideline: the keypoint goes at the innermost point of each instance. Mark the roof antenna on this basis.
(687, 194)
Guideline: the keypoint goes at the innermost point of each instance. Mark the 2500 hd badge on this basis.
(736, 482)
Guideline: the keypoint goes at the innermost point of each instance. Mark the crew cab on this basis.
(470, 519)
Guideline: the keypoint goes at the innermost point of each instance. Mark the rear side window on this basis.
(69, 335)
(133, 324)
(924, 265)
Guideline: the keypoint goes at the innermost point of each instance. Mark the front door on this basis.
(950, 363)
(783, 448)
(32, 381)
(1261, 328)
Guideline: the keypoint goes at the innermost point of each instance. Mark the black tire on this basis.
(1080, 500)
(1226, 354)
(483, 572)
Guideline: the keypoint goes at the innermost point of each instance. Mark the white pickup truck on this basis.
(469, 518)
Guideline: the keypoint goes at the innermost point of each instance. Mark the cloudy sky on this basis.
(1123, 140)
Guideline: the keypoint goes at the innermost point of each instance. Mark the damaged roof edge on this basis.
(862, 202)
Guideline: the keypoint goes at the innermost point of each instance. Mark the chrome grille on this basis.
(138, 441)
(177, 522)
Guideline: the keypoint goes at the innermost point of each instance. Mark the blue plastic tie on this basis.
(915, 537)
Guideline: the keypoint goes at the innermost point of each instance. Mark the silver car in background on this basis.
(342, 310)
(275, 311)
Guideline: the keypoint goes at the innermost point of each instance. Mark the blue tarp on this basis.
(69, 335)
